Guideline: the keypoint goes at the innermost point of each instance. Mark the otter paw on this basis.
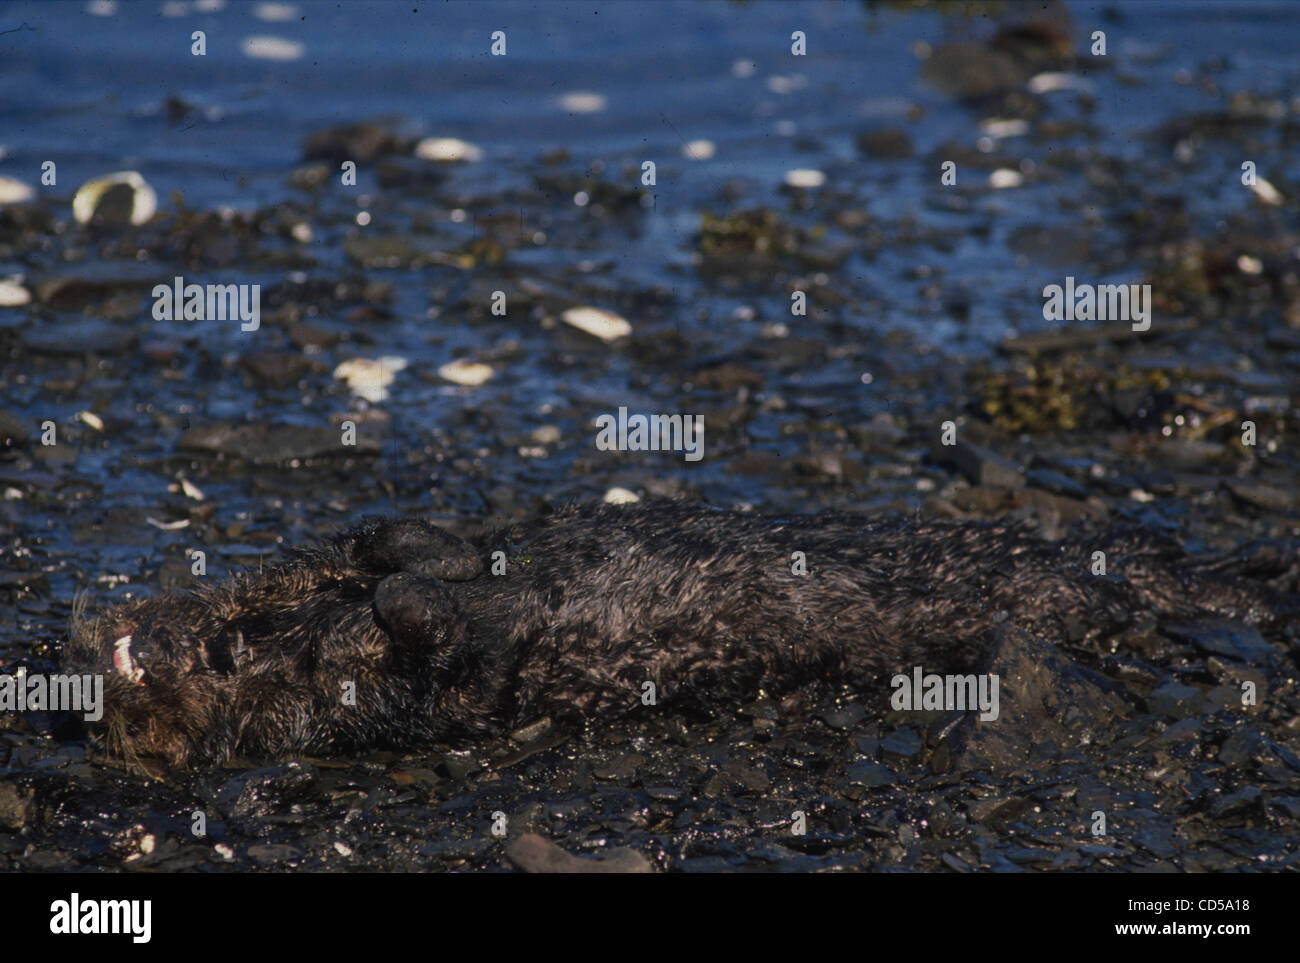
(415, 545)
(413, 609)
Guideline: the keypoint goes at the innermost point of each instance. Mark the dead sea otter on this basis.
(398, 634)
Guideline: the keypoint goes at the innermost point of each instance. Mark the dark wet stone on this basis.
(665, 793)
(997, 809)
(457, 850)
(1237, 803)
(533, 731)
(1100, 850)
(1239, 747)
(1045, 700)
(1065, 510)
(881, 432)
(274, 853)
(461, 765)
(14, 804)
(1268, 497)
(969, 71)
(750, 778)
(381, 251)
(79, 337)
(414, 777)
(1028, 854)
(1182, 730)
(832, 464)
(728, 376)
(622, 769)
(844, 717)
(12, 579)
(362, 143)
(267, 444)
(278, 369)
(871, 775)
(1157, 838)
(310, 177)
(308, 335)
(955, 863)
(408, 172)
(1131, 670)
(91, 284)
(979, 464)
(1290, 805)
(1054, 481)
(1226, 637)
(14, 430)
(1176, 700)
(535, 854)
(889, 143)
(982, 500)
(904, 743)
(1083, 337)
(264, 792)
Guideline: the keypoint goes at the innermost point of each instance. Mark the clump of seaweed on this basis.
(1044, 395)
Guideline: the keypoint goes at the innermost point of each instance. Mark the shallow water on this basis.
(1131, 173)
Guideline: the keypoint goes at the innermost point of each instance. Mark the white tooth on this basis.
(123, 662)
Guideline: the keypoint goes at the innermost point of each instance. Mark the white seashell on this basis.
(699, 150)
(1005, 177)
(15, 192)
(472, 373)
(597, 322)
(144, 202)
(13, 295)
(1266, 192)
(448, 150)
(272, 48)
(369, 378)
(804, 177)
(583, 102)
(621, 496)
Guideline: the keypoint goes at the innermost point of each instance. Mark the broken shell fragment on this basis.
(369, 378)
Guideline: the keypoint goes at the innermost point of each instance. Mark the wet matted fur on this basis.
(397, 634)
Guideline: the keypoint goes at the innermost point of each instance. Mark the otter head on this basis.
(155, 705)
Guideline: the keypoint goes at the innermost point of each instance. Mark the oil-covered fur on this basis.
(397, 634)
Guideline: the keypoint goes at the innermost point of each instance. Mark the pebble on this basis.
(844, 717)
(605, 325)
(1176, 700)
(535, 854)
